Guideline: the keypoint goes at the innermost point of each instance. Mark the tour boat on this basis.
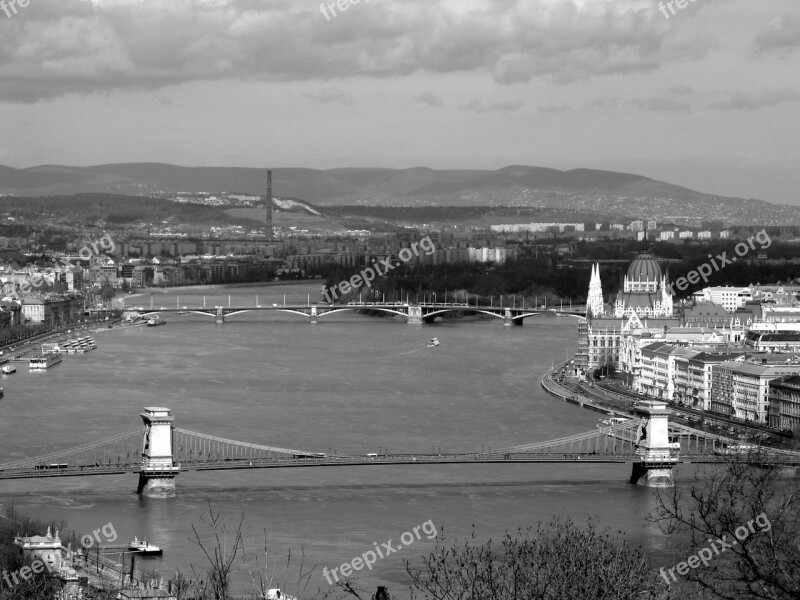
(155, 322)
(8, 369)
(45, 361)
(611, 422)
(434, 342)
(143, 547)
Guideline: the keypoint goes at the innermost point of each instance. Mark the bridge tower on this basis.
(157, 477)
(654, 469)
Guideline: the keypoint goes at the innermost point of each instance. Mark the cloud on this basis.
(681, 90)
(330, 95)
(430, 99)
(502, 107)
(58, 47)
(755, 101)
(553, 108)
(655, 103)
(605, 103)
(780, 35)
(661, 104)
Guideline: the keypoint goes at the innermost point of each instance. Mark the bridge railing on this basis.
(121, 448)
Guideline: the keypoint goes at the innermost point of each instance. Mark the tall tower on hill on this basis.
(269, 203)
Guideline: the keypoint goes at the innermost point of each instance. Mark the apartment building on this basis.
(742, 389)
(784, 403)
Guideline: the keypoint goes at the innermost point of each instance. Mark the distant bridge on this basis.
(159, 452)
(415, 314)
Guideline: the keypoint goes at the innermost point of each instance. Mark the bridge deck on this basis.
(392, 459)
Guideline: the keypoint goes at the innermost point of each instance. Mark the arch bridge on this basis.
(415, 314)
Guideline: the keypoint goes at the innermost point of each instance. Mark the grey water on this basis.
(351, 383)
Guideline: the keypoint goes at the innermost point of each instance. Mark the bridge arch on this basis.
(436, 313)
(357, 308)
(525, 316)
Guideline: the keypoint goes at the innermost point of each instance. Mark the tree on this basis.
(221, 552)
(557, 561)
(107, 291)
(745, 516)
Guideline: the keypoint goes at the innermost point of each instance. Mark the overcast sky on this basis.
(708, 98)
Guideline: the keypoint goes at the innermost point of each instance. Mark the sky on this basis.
(700, 93)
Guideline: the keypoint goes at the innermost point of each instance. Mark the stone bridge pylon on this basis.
(157, 477)
(657, 456)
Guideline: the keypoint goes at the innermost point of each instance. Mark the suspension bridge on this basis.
(159, 452)
(415, 314)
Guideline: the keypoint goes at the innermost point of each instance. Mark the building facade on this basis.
(784, 403)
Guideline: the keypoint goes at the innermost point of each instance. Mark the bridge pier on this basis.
(220, 315)
(157, 477)
(508, 320)
(657, 458)
(313, 319)
(415, 315)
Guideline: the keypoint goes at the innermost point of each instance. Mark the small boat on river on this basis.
(143, 547)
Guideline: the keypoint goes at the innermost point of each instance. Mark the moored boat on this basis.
(611, 422)
(45, 361)
(143, 547)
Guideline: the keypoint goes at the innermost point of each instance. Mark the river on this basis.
(350, 383)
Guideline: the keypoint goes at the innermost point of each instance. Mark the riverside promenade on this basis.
(575, 394)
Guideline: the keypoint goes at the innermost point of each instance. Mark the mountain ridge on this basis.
(624, 195)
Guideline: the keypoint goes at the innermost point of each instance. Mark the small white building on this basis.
(728, 297)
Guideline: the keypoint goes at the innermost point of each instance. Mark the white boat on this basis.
(155, 322)
(143, 547)
(8, 369)
(45, 361)
(611, 422)
(433, 343)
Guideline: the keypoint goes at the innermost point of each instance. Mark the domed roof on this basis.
(644, 268)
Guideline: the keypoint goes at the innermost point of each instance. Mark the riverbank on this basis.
(573, 396)
(216, 286)
(32, 346)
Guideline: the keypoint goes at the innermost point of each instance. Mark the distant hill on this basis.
(580, 190)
